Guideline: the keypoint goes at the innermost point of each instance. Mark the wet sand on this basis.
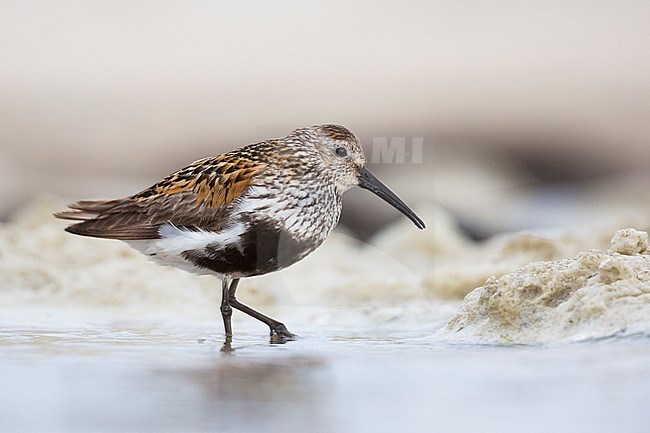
(128, 377)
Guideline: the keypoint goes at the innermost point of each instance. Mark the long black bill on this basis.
(372, 184)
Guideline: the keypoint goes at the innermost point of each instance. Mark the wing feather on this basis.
(195, 196)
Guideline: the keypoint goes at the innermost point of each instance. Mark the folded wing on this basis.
(196, 196)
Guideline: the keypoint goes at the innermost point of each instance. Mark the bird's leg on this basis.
(276, 327)
(226, 310)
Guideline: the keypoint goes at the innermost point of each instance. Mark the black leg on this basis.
(226, 310)
(276, 327)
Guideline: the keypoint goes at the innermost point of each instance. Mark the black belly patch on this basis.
(264, 248)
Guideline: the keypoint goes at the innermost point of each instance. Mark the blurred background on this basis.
(531, 114)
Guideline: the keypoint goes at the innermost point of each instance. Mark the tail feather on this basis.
(95, 206)
(110, 219)
(85, 210)
(75, 215)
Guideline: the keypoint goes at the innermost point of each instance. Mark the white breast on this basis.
(168, 250)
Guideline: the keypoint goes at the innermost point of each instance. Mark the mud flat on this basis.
(93, 337)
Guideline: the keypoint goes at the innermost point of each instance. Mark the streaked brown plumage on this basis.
(248, 212)
(196, 195)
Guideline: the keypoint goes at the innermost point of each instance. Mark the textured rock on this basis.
(594, 294)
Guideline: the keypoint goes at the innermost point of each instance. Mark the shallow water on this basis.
(152, 377)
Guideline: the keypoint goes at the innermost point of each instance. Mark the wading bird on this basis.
(255, 210)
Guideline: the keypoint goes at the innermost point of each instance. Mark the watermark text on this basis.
(395, 150)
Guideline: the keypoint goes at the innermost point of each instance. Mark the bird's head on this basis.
(340, 154)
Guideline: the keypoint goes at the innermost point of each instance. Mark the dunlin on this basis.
(255, 210)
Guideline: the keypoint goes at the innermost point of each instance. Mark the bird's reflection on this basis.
(238, 391)
(227, 348)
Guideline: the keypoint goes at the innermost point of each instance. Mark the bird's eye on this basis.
(341, 151)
